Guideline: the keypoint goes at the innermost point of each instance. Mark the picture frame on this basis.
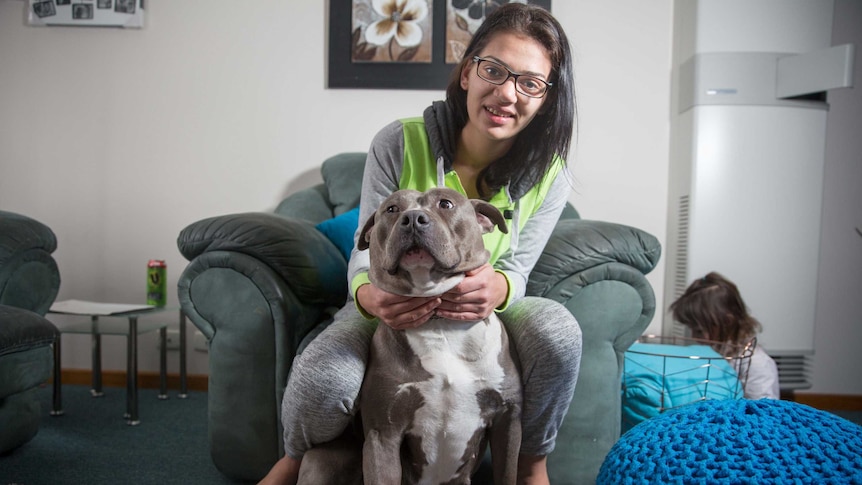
(82, 11)
(86, 13)
(349, 51)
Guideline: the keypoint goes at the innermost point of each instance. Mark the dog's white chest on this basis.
(462, 361)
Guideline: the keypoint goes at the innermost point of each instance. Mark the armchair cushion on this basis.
(340, 174)
(26, 360)
(25, 350)
(311, 204)
(22, 330)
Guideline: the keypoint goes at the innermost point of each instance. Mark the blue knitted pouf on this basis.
(738, 442)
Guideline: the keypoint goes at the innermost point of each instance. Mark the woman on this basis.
(713, 309)
(493, 139)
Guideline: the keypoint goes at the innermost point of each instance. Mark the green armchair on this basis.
(29, 281)
(259, 285)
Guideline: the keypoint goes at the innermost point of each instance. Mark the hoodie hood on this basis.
(443, 133)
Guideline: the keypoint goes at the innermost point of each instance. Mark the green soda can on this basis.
(157, 284)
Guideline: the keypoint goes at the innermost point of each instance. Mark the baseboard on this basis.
(829, 402)
(146, 380)
(200, 382)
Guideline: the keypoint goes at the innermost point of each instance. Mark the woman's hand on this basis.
(396, 311)
(482, 290)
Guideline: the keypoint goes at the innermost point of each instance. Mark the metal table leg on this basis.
(96, 389)
(132, 373)
(57, 407)
(163, 363)
(184, 388)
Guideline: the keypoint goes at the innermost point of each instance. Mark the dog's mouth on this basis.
(414, 251)
(410, 252)
(415, 256)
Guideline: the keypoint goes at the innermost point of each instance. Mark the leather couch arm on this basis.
(309, 263)
(577, 245)
(29, 277)
(20, 233)
(256, 284)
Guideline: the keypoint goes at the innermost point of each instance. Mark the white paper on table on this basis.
(81, 307)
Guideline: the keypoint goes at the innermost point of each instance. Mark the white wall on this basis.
(117, 139)
(838, 317)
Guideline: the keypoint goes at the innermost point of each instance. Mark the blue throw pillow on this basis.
(340, 230)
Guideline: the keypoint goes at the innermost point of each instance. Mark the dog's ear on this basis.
(489, 216)
(364, 236)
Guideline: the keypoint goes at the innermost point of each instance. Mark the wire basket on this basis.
(662, 373)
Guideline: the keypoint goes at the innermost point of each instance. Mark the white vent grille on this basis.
(793, 371)
(680, 277)
(679, 330)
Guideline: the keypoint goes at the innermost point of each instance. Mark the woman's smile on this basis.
(498, 115)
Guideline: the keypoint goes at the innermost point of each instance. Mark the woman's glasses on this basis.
(496, 73)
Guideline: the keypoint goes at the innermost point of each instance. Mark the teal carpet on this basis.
(92, 444)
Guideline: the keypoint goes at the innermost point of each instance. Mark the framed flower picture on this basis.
(402, 44)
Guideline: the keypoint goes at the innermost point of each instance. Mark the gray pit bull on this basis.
(434, 396)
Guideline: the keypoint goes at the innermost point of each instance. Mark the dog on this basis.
(434, 396)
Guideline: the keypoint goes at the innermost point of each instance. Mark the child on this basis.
(712, 309)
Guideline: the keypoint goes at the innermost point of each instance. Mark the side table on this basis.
(121, 320)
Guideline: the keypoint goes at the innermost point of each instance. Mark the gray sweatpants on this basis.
(322, 391)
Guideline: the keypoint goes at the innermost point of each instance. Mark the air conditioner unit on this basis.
(748, 130)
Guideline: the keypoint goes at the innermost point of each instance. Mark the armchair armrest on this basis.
(29, 277)
(308, 262)
(577, 245)
(20, 233)
(256, 284)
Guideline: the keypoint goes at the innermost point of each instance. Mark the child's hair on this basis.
(713, 309)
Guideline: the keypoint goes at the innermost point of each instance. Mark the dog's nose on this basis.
(417, 220)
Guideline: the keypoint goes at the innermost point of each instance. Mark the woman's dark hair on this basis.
(713, 309)
(550, 133)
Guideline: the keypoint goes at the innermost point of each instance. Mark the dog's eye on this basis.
(446, 204)
(392, 209)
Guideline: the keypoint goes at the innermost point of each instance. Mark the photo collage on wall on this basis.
(100, 13)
